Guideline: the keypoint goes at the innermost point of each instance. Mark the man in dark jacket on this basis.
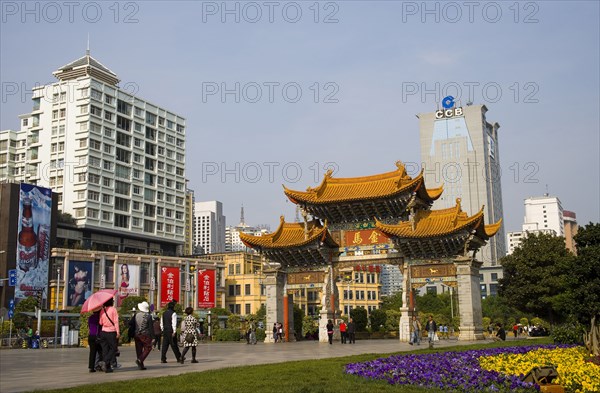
(168, 324)
(144, 334)
(431, 329)
(351, 330)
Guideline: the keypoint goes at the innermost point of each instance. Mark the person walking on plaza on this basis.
(190, 334)
(343, 331)
(275, 332)
(515, 330)
(330, 331)
(157, 332)
(351, 330)
(431, 329)
(110, 333)
(95, 348)
(168, 324)
(144, 333)
(416, 331)
(29, 333)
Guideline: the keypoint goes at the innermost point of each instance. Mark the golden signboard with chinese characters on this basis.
(434, 270)
(305, 278)
(365, 238)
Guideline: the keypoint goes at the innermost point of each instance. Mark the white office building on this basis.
(542, 215)
(116, 161)
(459, 150)
(209, 227)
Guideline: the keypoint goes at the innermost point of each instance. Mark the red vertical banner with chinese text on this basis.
(206, 289)
(169, 287)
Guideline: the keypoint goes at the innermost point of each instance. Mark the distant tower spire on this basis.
(87, 51)
(242, 222)
(547, 194)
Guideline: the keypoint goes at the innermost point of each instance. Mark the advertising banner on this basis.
(169, 287)
(80, 281)
(206, 288)
(128, 281)
(33, 241)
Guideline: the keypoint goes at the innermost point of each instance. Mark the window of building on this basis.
(247, 289)
(108, 99)
(494, 276)
(121, 221)
(123, 139)
(121, 187)
(150, 118)
(123, 123)
(121, 204)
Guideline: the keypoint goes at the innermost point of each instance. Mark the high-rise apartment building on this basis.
(459, 150)
(209, 227)
(391, 280)
(116, 161)
(542, 213)
(545, 214)
(571, 228)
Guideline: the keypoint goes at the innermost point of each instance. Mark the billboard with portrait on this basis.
(33, 241)
(128, 281)
(79, 282)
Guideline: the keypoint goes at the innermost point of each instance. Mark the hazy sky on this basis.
(273, 92)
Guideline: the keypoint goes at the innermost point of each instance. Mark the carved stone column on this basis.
(406, 312)
(274, 282)
(469, 298)
(329, 305)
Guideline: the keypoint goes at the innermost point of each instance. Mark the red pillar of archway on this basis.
(286, 316)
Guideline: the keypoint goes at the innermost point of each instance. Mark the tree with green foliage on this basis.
(359, 315)
(392, 320)
(378, 318)
(393, 302)
(585, 284)
(310, 325)
(536, 276)
(26, 305)
(298, 315)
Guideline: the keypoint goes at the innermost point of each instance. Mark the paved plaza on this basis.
(30, 369)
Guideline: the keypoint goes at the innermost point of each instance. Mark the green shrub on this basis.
(260, 334)
(568, 333)
(227, 335)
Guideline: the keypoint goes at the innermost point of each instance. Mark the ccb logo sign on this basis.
(449, 110)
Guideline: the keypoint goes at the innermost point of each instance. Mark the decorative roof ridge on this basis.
(86, 61)
(400, 171)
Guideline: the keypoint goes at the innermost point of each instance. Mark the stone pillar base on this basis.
(470, 334)
(405, 318)
(325, 317)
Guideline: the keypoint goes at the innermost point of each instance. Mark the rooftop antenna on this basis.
(87, 51)
(242, 223)
(546, 194)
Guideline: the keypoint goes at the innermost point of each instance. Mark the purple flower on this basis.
(455, 371)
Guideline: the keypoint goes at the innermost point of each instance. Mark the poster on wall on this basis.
(128, 281)
(33, 241)
(206, 288)
(80, 281)
(169, 290)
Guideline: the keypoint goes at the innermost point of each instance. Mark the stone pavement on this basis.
(42, 369)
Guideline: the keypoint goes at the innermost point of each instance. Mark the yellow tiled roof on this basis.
(290, 235)
(361, 188)
(434, 223)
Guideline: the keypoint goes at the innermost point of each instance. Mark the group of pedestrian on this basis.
(278, 332)
(347, 331)
(104, 333)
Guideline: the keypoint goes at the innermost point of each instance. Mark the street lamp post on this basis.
(56, 309)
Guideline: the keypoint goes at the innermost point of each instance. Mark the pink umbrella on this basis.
(97, 299)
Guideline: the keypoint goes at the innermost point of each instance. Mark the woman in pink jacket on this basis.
(109, 321)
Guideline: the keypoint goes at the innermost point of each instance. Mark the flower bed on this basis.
(575, 372)
(462, 371)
